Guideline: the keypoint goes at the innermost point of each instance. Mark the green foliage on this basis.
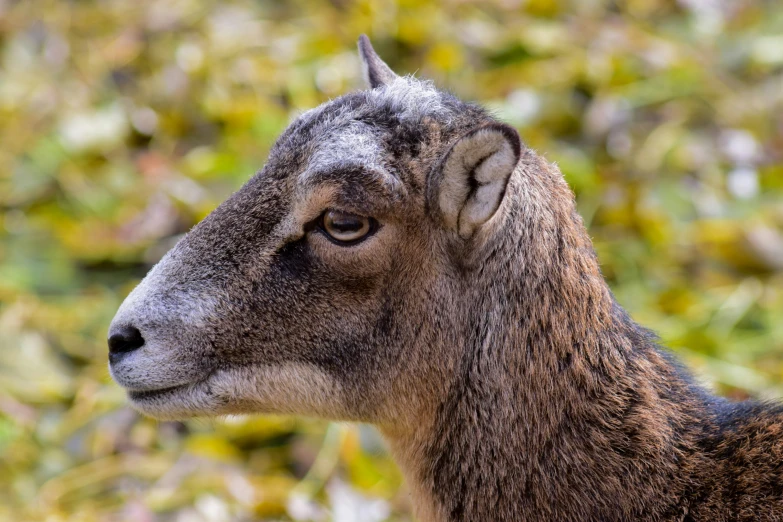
(124, 123)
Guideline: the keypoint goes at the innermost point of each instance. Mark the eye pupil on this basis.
(345, 227)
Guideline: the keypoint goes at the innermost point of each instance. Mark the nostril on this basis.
(125, 339)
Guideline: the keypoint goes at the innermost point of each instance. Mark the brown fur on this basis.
(509, 383)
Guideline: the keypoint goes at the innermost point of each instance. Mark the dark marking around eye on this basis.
(294, 260)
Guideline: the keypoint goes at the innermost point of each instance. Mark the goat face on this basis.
(312, 290)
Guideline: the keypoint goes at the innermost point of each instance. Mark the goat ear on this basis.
(376, 72)
(470, 181)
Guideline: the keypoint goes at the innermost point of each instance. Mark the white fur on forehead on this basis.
(410, 98)
(356, 144)
(347, 141)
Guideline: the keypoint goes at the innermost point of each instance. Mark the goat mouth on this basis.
(145, 395)
(141, 395)
(175, 402)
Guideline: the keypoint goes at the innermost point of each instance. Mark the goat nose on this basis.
(125, 339)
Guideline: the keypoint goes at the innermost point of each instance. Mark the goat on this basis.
(404, 260)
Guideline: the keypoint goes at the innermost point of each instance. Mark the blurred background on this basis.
(124, 123)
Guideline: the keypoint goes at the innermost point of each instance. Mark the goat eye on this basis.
(344, 227)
